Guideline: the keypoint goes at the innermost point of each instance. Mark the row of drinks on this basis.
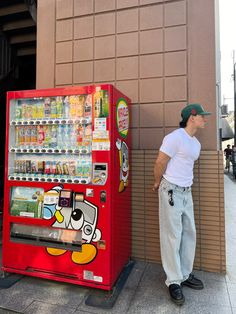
(82, 167)
(63, 107)
(62, 136)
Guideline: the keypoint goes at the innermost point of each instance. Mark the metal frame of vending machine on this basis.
(67, 206)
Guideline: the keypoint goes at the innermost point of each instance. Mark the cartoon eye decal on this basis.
(123, 158)
(77, 219)
(88, 229)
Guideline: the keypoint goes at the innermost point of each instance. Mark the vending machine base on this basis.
(9, 280)
(107, 299)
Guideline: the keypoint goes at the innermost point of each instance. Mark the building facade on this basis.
(162, 54)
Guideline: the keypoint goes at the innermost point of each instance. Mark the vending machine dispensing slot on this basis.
(50, 237)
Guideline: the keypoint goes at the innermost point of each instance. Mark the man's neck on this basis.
(191, 130)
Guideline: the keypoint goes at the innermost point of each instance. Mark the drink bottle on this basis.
(47, 132)
(88, 106)
(60, 136)
(41, 135)
(53, 109)
(17, 137)
(59, 104)
(27, 136)
(18, 111)
(47, 108)
(33, 135)
(66, 108)
(53, 142)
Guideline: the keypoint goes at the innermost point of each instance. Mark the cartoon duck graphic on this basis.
(124, 164)
(82, 217)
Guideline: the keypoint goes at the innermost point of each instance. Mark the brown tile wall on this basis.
(161, 54)
(208, 199)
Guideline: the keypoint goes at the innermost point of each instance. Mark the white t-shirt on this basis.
(183, 150)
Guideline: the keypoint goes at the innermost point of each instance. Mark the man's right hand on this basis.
(155, 186)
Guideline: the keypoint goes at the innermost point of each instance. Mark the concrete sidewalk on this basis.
(144, 291)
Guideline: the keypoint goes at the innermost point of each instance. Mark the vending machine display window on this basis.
(50, 139)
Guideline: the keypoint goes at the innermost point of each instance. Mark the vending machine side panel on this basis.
(121, 187)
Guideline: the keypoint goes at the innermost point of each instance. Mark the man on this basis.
(173, 172)
(228, 155)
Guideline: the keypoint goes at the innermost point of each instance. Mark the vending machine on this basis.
(67, 206)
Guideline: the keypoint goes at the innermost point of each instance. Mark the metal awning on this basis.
(227, 132)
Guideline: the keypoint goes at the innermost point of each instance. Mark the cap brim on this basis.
(205, 113)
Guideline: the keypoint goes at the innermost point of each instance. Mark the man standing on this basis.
(228, 156)
(173, 174)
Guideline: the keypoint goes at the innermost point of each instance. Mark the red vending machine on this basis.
(67, 207)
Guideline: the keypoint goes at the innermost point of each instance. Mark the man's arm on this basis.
(159, 169)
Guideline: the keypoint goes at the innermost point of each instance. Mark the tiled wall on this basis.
(161, 53)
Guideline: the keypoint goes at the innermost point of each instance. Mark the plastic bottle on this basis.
(66, 108)
(59, 103)
(41, 135)
(27, 136)
(60, 136)
(88, 106)
(47, 132)
(33, 135)
(53, 142)
(18, 111)
(47, 108)
(53, 109)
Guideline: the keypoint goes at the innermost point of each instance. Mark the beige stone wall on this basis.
(161, 53)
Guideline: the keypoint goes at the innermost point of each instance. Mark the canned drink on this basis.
(40, 167)
(21, 136)
(28, 166)
(17, 166)
(65, 167)
(34, 168)
(47, 168)
(72, 168)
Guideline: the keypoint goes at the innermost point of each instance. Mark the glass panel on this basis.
(50, 139)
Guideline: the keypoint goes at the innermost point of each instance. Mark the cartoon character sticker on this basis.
(83, 216)
(124, 164)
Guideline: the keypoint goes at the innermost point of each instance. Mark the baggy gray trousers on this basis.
(177, 231)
